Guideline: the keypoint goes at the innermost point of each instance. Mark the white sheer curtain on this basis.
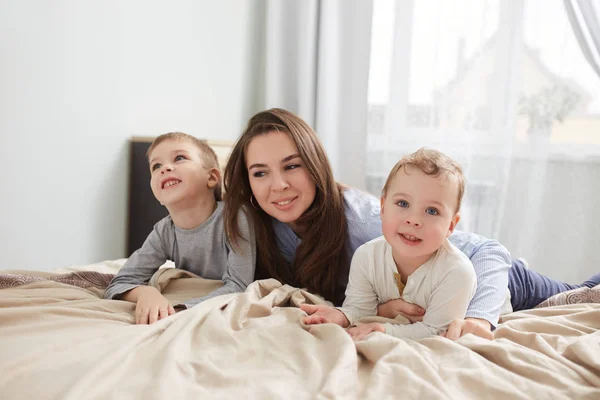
(503, 87)
(452, 86)
(316, 64)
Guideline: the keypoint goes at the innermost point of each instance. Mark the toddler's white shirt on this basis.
(443, 286)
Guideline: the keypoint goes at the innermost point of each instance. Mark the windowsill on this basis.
(577, 153)
(562, 152)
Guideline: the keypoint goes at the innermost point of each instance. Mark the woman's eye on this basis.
(292, 166)
(155, 167)
(403, 203)
(432, 211)
(258, 174)
(179, 158)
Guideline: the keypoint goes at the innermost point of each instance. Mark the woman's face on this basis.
(278, 177)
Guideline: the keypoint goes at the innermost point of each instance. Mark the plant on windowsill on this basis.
(548, 104)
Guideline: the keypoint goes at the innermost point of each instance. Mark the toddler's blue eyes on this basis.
(178, 158)
(156, 166)
(428, 210)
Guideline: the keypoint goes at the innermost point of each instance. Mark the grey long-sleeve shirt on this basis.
(204, 251)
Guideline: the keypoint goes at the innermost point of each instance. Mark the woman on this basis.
(308, 226)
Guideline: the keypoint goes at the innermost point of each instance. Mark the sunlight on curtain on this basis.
(502, 87)
(435, 82)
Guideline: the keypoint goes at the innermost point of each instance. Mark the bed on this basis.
(60, 340)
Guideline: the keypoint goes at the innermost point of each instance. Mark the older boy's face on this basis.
(418, 213)
(178, 176)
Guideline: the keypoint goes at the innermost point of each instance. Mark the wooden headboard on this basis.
(144, 209)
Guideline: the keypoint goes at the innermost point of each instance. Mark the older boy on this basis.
(413, 260)
(185, 178)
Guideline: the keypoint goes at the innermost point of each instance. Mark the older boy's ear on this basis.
(453, 223)
(214, 177)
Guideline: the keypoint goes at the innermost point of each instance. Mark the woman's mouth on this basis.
(285, 204)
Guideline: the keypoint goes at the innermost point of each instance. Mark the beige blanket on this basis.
(60, 341)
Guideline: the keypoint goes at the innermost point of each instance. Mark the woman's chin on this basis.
(286, 217)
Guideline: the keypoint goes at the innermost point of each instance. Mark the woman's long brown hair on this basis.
(321, 260)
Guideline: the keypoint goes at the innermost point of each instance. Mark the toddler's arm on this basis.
(449, 301)
(361, 296)
(323, 314)
(392, 308)
(362, 331)
(361, 299)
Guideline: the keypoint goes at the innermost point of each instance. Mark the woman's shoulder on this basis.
(451, 259)
(362, 217)
(377, 245)
(470, 243)
(373, 252)
(453, 255)
(459, 237)
(360, 206)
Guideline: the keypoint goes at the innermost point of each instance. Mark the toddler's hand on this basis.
(322, 314)
(393, 308)
(362, 331)
(151, 306)
(476, 326)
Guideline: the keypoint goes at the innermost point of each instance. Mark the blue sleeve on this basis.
(362, 217)
(492, 262)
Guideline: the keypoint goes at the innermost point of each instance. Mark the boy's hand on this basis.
(362, 331)
(151, 305)
(391, 309)
(322, 314)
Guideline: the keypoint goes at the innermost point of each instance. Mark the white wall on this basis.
(78, 79)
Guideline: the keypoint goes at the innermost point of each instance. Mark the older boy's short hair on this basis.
(208, 155)
(431, 162)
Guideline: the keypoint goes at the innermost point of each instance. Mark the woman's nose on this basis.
(279, 182)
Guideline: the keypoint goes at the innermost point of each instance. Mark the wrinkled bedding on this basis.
(60, 340)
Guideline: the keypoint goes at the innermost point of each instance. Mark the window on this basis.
(560, 91)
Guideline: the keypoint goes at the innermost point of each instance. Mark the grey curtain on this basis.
(316, 64)
(585, 20)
